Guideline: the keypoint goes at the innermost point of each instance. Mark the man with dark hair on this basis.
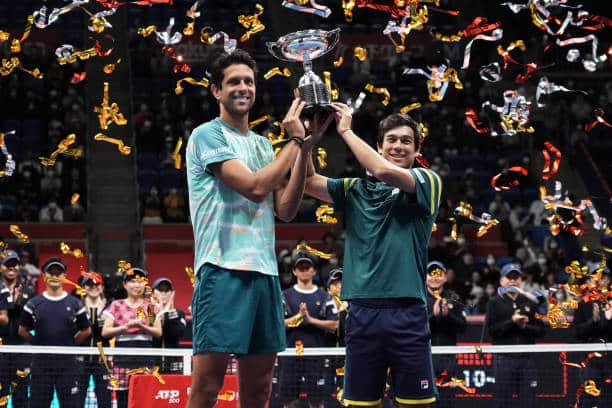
(388, 221)
(309, 315)
(236, 186)
(511, 320)
(14, 293)
(57, 319)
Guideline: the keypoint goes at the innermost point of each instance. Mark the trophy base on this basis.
(310, 110)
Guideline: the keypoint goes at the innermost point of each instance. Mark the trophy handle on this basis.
(275, 50)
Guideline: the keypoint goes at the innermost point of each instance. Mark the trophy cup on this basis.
(306, 46)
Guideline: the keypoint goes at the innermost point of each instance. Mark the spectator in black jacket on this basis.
(15, 292)
(446, 320)
(593, 323)
(173, 324)
(511, 319)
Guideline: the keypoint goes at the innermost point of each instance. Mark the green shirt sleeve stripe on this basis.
(348, 183)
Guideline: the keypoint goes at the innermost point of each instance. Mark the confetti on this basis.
(505, 52)
(43, 20)
(589, 65)
(338, 63)
(325, 214)
(108, 114)
(66, 54)
(347, 7)
(296, 321)
(251, 23)
(192, 81)
(322, 157)
(277, 71)
(360, 53)
(332, 87)
(227, 395)
(98, 22)
(472, 118)
(496, 35)
(299, 348)
(545, 87)
(77, 253)
(9, 164)
(300, 5)
(95, 277)
(313, 251)
(417, 22)
(599, 115)
(508, 178)
(407, 108)
(16, 231)
(259, 121)
(110, 68)
(176, 155)
(380, 91)
(63, 147)
(78, 77)
(229, 44)
(123, 149)
(190, 275)
(490, 72)
(486, 219)
(123, 266)
(168, 37)
(550, 170)
(9, 65)
(514, 114)
(438, 79)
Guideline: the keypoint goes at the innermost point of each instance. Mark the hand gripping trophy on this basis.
(306, 46)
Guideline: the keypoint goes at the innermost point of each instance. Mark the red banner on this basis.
(147, 392)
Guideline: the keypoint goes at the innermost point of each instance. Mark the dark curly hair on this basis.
(396, 120)
(225, 60)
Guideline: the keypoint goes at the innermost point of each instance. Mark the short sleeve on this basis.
(110, 311)
(82, 321)
(208, 145)
(27, 317)
(338, 189)
(428, 189)
(330, 309)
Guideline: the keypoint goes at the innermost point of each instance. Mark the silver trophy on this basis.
(306, 46)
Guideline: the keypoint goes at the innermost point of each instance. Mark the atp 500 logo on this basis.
(171, 396)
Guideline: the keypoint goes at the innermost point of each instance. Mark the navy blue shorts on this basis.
(388, 334)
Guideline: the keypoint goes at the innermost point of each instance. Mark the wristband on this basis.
(297, 140)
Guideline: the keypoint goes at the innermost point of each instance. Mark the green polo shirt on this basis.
(387, 232)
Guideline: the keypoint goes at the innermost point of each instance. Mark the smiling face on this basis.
(236, 95)
(398, 146)
(10, 270)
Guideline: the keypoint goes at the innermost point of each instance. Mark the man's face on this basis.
(10, 269)
(398, 146)
(237, 92)
(55, 272)
(511, 279)
(304, 271)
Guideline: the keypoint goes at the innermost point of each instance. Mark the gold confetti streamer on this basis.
(9, 65)
(332, 87)
(227, 395)
(299, 348)
(190, 275)
(123, 266)
(176, 155)
(3, 249)
(147, 31)
(123, 149)
(258, 121)
(360, 53)
(322, 157)
(63, 147)
(110, 68)
(274, 138)
(17, 233)
(296, 321)
(251, 23)
(338, 63)
(325, 214)
(380, 91)
(108, 114)
(407, 108)
(189, 28)
(75, 198)
(313, 251)
(277, 71)
(179, 88)
(77, 253)
(348, 6)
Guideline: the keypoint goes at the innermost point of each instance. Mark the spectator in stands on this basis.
(334, 287)
(51, 213)
(527, 253)
(14, 284)
(32, 273)
(511, 320)
(133, 322)
(57, 319)
(152, 208)
(174, 206)
(446, 321)
(95, 305)
(74, 212)
(309, 316)
(593, 323)
(173, 324)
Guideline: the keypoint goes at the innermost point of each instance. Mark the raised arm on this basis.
(369, 158)
(257, 185)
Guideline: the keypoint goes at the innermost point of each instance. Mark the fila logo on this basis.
(172, 396)
(424, 384)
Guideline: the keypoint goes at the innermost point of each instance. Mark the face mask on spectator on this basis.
(490, 261)
(542, 260)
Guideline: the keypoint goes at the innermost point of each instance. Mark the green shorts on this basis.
(237, 312)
